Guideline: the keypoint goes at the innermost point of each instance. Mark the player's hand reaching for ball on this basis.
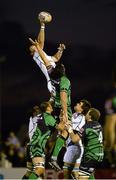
(61, 47)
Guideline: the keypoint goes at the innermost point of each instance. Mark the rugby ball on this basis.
(45, 17)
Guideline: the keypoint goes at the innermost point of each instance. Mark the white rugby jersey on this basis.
(41, 64)
(32, 125)
(77, 121)
(43, 68)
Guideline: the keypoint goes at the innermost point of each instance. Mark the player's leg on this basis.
(61, 138)
(39, 168)
(79, 150)
(67, 170)
(37, 155)
(29, 167)
(29, 164)
(59, 144)
(87, 168)
(113, 130)
(84, 176)
(108, 132)
(69, 159)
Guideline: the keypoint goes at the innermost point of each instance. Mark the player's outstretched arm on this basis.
(41, 35)
(41, 52)
(58, 55)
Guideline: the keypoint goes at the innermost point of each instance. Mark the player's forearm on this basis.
(74, 137)
(60, 126)
(58, 55)
(41, 36)
(43, 57)
(63, 97)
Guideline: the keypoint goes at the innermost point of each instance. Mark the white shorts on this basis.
(73, 154)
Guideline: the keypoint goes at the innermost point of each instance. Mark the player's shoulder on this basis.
(77, 115)
(93, 124)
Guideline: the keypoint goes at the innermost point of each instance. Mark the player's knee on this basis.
(39, 169)
(67, 167)
(75, 174)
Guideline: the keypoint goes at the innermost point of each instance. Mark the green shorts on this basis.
(37, 144)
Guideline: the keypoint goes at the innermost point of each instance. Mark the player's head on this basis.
(46, 107)
(93, 114)
(36, 110)
(58, 72)
(82, 106)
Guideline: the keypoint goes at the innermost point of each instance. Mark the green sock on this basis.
(92, 177)
(25, 177)
(58, 146)
(33, 176)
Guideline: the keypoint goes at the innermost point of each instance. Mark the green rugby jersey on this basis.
(92, 138)
(45, 124)
(63, 85)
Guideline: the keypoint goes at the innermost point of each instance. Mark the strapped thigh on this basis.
(29, 167)
(68, 167)
(83, 173)
(39, 165)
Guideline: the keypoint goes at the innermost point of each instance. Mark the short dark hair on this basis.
(86, 106)
(43, 106)
(34, 111)
(95, 114)
(58, 71)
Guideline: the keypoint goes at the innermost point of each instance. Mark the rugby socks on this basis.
(58, 146)
(92, 177)
(33, 176)
(25, 177)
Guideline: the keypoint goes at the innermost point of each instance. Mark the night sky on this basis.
(87, 27)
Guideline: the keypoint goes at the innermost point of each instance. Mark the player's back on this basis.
(93, 141)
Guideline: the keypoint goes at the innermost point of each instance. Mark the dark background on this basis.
(87, 27)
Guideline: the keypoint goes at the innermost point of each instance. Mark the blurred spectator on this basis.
(12, 141)
(110, 125)
(4, 162)
(14, 151)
